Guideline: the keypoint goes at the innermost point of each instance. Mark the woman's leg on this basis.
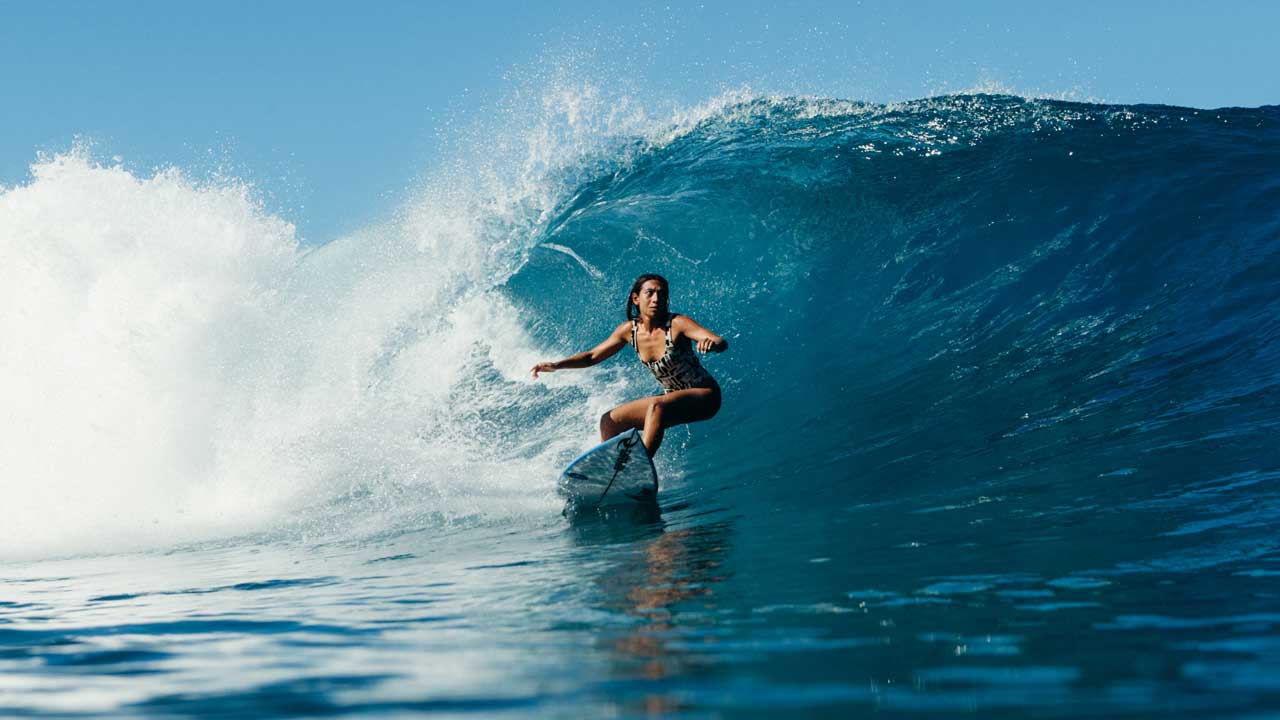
(677, 408)
(653, 415)
(611, 427)
(624, 417)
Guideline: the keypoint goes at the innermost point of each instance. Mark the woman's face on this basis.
(651, 298)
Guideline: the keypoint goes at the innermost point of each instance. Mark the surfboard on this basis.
(618, 471)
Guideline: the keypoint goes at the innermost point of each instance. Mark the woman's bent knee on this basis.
(610, 427)
(654, 412)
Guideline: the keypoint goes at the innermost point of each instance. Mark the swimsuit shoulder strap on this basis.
(634, 343)
(670, 319)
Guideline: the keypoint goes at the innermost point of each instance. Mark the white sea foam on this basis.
(121, 297)
(175, 366)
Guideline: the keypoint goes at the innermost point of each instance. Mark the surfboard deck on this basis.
(618, 471)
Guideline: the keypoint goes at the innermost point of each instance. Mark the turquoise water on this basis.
(998, 431)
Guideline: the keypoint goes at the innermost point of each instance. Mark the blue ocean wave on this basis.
(959, 290)
(997, 436)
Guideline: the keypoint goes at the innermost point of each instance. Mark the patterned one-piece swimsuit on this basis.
(679, 367)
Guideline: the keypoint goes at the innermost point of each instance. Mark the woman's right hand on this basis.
(542, 367)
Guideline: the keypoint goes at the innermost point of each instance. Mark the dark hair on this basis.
(635, 288)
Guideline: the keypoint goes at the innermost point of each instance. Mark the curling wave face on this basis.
(970, 295)
(963, 292)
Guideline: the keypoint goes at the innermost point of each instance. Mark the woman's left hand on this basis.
(704, 341)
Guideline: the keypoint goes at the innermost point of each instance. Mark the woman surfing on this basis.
(665, 344)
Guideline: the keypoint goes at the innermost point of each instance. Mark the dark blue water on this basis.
(998, 438)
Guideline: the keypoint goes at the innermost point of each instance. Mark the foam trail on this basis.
(176, 368)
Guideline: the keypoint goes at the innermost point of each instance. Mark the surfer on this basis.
(667, 340)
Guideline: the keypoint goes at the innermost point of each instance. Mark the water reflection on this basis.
(667, 580)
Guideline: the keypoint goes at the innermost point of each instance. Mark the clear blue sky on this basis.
(333, 109)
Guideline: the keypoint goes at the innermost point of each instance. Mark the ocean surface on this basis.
(999, 435)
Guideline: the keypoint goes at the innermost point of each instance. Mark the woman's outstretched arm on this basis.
(605, 350)
(703, 339)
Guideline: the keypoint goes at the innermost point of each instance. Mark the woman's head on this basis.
(648, 296)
